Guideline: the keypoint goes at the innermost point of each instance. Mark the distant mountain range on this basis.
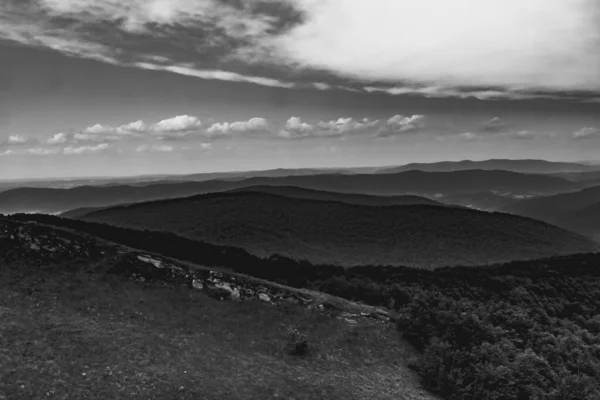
(334, 232)
(569, 169)
(525, 166)
(578, 211)
(429, 184)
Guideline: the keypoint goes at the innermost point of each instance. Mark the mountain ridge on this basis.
(406, 183)
(348, 234)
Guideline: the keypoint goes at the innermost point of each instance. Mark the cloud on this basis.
(59, 138)
(587, 133)
(468, 136)
(37, 151)
(167, 129)
(402, 124)
(17, 139)
(534, 44)
(85, 149)
(176, 128)
(489, 50)
(524, 134)
(155, 148)
(253, 125)
(40, 151)
(295, 128)
(92, 137)
(494, 125)
(345, 125)
(181, 123)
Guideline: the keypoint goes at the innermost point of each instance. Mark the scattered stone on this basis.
(197, 284)
(264, 297)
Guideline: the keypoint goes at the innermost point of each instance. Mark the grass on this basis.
(84, 334)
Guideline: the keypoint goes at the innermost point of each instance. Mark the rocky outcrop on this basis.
(37, 245)
(228, 286)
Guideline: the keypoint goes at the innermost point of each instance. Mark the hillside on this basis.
(487, 201)
(46, 200)
(140, 320)
(524, 166)
(579, 211)
(301, 193)
(83, 318)
(349, 198)
(338, 233)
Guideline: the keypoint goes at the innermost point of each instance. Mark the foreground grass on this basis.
(87, 335)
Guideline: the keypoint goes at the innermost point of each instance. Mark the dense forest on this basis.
(521, 330)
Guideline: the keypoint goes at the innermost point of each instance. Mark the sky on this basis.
(121, 88)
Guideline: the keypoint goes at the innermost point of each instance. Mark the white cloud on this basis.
(295, 128)
(17, 139)
(37, 151)
(155, 148)
(190, 70)
(59, 138)
(495, 124)
(132, 128)
(100, 137)
(344, 125)
(468, 136)
(85, 149)
(250, 126)
(9, 152)
(535, 44)
(181, 123)
(464, 93)
(40, 151)
(524, 134)
(586, 133)
(402, 124)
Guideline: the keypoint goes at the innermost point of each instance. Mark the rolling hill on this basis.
(301, 193)
(349, 198)
(578, 211)
(524, 166)
(339, 233)
(411, 182)
(486, 201)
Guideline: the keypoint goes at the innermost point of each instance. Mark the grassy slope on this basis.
(337, 233)
(71, 331)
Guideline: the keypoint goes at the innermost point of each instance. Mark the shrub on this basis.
(297, 342)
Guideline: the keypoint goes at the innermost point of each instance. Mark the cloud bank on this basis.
(492, 49)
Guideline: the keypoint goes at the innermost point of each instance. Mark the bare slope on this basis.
(339, 233)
